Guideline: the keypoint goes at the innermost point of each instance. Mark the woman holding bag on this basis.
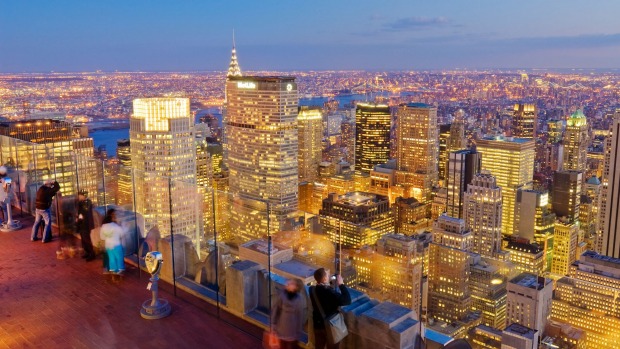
(289, 315)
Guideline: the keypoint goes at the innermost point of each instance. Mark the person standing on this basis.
(43, 202)
(289, 315)
(112, 234)
(329, 300)
(85, 223)
(5, 197)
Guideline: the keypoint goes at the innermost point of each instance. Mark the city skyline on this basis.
(163, 36)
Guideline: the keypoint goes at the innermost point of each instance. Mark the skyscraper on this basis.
(565, 239)
(524, 121)
(529, 301)
(372, 136)
(444, 135)
(163, 156)
(567, 194)
(261, 129)
(418, 146)
(463, 165)
(310, 131)
(609, 239)
(576, 142)
(483, 214)
(511, 161)
(125, 179)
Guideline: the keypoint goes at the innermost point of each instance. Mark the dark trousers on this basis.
(320, 340)
(288, 344)
(87, 244)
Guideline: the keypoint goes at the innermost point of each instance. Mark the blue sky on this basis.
(134, 35)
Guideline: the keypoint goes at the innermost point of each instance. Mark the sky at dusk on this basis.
(140, 35)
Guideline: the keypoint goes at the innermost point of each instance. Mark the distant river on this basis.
(109, 138)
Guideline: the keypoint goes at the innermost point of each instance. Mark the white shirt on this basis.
(111, 233)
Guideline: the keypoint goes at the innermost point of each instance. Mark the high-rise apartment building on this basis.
(529, 301)
(511, 161)
(163, 157)
(609, 233)
(483, 214)
(576, 142)
(356, 219)
(566, 194)
(310, 133)
(372, 136)
(524, 121)
(589, 299)
(463, 165)
(261, 129)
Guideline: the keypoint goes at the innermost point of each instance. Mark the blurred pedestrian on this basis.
(288, 315)
(45, 195)
(85, 224)
(112, 233)
(5, 194)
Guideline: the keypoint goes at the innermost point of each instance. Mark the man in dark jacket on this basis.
(330, 300)
(45, 195)
(85, 223)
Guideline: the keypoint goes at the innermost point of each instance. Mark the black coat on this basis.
(45, 195)
(330, 300)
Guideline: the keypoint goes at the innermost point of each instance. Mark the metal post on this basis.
(269, 264)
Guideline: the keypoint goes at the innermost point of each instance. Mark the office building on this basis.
(524, 121)
(527, 257)
(488, 293)
(204, 184)
(589, 299)
(310, 133)
(483, 214)
(609, 233)
(449, 295)
(417, 145)
(261, 126)
(511, 161)
(410, 216)
(566, 195)
(529, 301)
(444, 135)
(124, 190)
(565, 243)
(534, 220)
(372, 136)
(463, 165)
(356, 219)
(576, 142)
(163, 156)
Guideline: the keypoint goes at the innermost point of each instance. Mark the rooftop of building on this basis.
(358, 198)
(297, 268)
(500, 138)
(593, 180)
(269, 78)
(530, 281)
(521, 330)
(416, 105)
(532, 248)
(606, 260)
(261, 245)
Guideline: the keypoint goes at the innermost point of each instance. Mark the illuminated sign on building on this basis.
(246, 84)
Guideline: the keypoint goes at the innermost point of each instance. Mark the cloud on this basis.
(411, 23)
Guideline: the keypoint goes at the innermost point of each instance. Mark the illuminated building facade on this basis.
(488, 294)
(529, 301)
(576, 142)
(609, 233)
(534, 221)
(356, 219)
(399, 259)
(449, 296)
(261, 126)
(566, 197)
(511, 161)
(417, 147)
(527, 257)
(483, 214)
(410, 216)
(444, 135)
(204, 183)
(125, 179)
(163, 156)
(524, 121)
(372, 136)
(565, 241)
(589, 299)
(310, 133)
(462, 166)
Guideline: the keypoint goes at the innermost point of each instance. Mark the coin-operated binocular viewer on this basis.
(155, 308)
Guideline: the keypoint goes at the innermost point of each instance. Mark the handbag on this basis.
(271, 340)
(334, 325)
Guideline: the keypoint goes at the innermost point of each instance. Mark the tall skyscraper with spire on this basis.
(233, 71)
(233, 67)
(576, 142)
